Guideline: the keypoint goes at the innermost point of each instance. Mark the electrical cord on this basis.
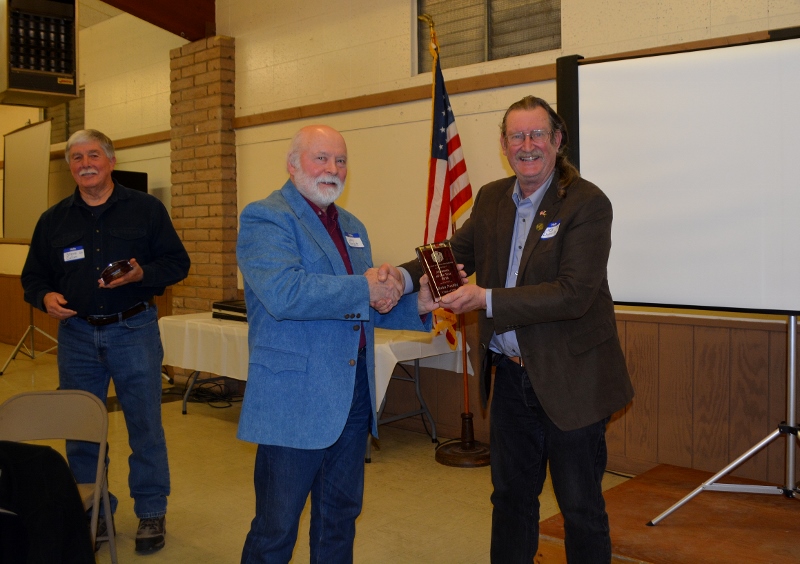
(215, 394)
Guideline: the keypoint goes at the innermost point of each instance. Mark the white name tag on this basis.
(551, 230)
(354, 240)
(73, 253)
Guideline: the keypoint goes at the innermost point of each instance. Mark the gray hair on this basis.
(87, 136)
(295, 148)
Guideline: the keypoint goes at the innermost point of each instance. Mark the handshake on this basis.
(387, 285)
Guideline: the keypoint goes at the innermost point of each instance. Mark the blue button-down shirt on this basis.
(506, 343)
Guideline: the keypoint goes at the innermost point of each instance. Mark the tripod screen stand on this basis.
(788, 428)
(29, 350)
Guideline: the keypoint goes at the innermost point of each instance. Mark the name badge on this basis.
(73, 253)
(354, 240)
(551, 230)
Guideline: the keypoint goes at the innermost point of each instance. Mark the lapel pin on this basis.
(543, 213)
(539, 226)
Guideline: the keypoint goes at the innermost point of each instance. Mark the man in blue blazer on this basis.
(313, 300)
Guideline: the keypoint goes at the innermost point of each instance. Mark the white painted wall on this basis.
(388, 151)
(290, 53)
(310, 51)
(124, 67)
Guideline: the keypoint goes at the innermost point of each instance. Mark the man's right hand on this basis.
(387, 270)
(54, 304)
(383, 294)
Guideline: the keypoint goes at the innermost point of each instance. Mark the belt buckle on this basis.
(97, 320)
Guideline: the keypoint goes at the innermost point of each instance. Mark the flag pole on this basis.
(466, 453)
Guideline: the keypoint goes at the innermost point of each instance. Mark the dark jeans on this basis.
(130, 353)
(334, 476)
(523, 441)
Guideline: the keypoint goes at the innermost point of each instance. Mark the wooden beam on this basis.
(411, 94)
(190, 19)
(126, 143)
(713, 43)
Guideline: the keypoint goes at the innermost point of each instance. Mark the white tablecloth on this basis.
(198, 341)
(432, 351)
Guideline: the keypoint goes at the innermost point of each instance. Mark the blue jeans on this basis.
(334, 476)
(523, 441)
(129, 352)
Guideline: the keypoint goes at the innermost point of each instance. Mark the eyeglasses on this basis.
(536, 135)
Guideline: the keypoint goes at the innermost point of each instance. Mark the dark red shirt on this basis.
(330, 219)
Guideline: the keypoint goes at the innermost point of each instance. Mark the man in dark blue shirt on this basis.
(109, 329)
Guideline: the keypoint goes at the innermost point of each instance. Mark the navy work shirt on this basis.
(73, 242)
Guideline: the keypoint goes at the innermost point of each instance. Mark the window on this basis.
(67, 118)
(474, 31)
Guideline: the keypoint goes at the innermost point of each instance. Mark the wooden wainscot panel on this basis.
(749, 398)
(711, 395)
(776, 451)
(15, 316)
(675, 350)
(641, 353)
(615, 431)
(718, 387)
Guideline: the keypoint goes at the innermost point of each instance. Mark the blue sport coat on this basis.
(305, 315)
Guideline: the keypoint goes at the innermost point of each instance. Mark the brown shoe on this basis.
(150, 536)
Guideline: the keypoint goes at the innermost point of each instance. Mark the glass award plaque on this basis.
(439, 263)
(115, 270)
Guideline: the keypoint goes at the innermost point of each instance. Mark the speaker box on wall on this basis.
(131, 179)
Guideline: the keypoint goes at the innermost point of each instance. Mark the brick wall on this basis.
(203, 158)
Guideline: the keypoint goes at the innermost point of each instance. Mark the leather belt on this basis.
(100, 320)
(516, 360)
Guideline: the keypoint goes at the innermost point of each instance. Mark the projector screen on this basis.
(25, 179)
(699, 153)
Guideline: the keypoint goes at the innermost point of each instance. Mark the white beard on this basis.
(311, 187)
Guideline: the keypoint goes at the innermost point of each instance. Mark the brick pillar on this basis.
(203, 161)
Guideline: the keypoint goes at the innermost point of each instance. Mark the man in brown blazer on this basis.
(538, 243)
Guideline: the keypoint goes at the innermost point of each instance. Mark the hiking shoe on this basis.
(150, 536)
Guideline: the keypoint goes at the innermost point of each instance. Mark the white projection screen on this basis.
(25, 179)
(699, 153)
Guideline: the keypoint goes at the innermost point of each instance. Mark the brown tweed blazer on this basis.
(561, 309)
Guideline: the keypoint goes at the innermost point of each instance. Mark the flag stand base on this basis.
(468, 453)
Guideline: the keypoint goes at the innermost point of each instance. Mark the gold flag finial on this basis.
(433, 46)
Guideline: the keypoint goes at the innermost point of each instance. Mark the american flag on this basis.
(449, 191)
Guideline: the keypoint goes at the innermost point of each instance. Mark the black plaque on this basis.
(439, 263)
